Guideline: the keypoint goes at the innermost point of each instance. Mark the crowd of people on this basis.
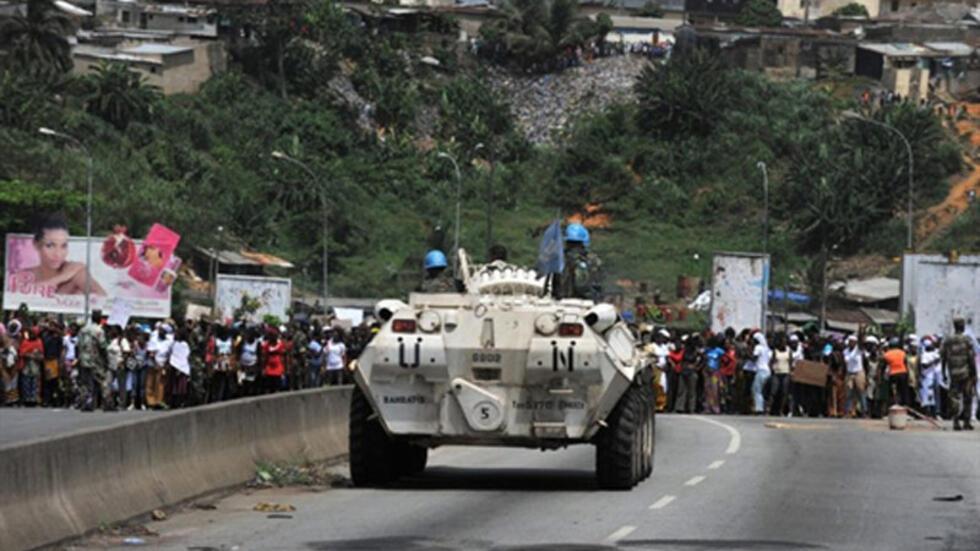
(45, 362)
(752, 373)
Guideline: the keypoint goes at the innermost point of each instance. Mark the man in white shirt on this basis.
(854, 379)
(159, 347)
(336, 352)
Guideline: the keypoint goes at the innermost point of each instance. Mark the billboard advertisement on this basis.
(270, 295)
(47, 272)
(739, 289)
(935, 291)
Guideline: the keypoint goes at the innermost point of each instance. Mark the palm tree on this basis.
(36, 42)
(119, 95)
(534, 32)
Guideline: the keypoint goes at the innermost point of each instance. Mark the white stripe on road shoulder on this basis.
(621, 533)
(716, 464)
(695, 481)
(663, 502)
(734, 443)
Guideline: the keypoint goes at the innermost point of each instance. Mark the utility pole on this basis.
(459, 184)
(489, 198)
(765, 200)
(325, 227)
(851, 115)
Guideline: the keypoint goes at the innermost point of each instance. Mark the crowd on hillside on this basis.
(46, 363)
(752, 373)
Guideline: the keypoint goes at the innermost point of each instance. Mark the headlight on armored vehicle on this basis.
(403, 326)
(546, 324)
(429, 321)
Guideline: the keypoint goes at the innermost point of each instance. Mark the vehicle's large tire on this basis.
(373, 454)
(648, 445)
(411, 458)
(619, 446)
(649, 410)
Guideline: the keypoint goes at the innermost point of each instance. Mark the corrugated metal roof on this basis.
(155, 48)
(645, 23)
(953, 48)
(897, 49)
(112, 55)
(875, 289)
(881, 316)
(245, 258)
(926, 49)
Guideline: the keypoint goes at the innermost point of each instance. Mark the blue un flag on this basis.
(551, 252)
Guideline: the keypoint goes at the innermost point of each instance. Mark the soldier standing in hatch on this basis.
(961, 371)
(580, 278)
(437, 279)
(93, 372)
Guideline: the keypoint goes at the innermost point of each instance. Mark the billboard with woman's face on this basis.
(46, 271)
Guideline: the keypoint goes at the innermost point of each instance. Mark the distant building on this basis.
(712, 11)
(177, 19)
(642, 30)
(814, 9)
(672, 9)
(909, 69)
(780, 52)
(176, 67)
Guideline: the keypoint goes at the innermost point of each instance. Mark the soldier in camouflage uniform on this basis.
(297, 364)
(961, 372)
(437, 279)
(93, 371)
(581, 276)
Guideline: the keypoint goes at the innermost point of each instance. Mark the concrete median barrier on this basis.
(56, 488)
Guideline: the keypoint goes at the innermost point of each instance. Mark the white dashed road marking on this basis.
(716, 464)
(734, 443)
(663, 502)
(621, 533)
(695, 481)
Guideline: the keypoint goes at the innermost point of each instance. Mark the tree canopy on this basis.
(759, 13)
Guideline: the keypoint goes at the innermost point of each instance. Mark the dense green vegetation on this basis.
(852, 10)
(759, 13)
(675, 171)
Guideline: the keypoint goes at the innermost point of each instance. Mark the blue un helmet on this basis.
(576, 233)
(435, 259)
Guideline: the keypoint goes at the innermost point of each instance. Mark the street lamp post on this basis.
(851, 115)
(459, 184)
(765, 198)
(489, 244)
(88, 210)
(280, 156)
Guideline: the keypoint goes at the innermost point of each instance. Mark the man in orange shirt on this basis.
(898, 370)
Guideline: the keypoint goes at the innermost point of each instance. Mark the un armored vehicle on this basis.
(500, 365)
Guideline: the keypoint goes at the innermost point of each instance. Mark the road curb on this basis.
(62, 487)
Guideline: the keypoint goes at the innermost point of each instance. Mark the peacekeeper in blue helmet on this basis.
(437, 278)
(581, 277)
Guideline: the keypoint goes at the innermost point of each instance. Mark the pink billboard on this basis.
(46, 271)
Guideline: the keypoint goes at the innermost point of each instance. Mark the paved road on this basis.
(19, 425)
(718, 483)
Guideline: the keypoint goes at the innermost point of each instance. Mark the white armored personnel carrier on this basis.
(500, 365)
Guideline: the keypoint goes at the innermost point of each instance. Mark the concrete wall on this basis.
(62, 487)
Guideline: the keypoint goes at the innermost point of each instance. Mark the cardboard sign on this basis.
(810, 373)
(120, 313)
